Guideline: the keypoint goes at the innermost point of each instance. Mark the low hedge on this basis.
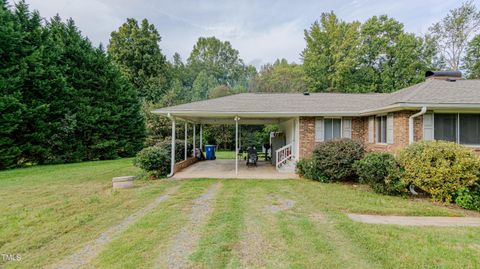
(381, 171)
(439, 168)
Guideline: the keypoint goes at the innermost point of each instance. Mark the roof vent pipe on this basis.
(410, 124)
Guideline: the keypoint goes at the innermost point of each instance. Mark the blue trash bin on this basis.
(210, 152)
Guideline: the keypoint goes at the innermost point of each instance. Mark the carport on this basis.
(228, 110)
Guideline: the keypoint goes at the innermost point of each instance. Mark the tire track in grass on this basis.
(320, 224)
(260, 245)
(142, 242)
(183, 244)
(221, 234)
(93, 248)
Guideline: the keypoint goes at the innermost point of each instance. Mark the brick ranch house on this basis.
(444, 107)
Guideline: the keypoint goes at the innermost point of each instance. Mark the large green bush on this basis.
(332, 160)
(439, 168)
(155, 160)
(381, 171)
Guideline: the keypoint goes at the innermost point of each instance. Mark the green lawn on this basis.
(222, 154)
(50, 212)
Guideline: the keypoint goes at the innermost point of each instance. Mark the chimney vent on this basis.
(444, 75)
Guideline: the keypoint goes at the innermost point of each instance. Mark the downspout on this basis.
(172, 157)
(411, 134)
(411, 125)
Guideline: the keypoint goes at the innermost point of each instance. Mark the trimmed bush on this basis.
(469, 198)
(439, 168)
(155, 160)
(179, 148)
(306, 168)
(381, 171)
(332, 160)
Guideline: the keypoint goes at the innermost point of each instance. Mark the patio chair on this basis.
(252, 156)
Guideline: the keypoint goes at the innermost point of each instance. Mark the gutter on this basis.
(172, 157)
(410, 124)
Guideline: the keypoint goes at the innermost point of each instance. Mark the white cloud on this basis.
(261, 30)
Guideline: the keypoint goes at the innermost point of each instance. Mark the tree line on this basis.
(62, 99)
(65, 100)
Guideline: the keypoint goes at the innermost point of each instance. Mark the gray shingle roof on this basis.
(428, 92)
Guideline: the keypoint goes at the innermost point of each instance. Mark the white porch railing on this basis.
(283, 154)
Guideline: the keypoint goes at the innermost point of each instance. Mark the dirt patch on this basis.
(185, 241)
(93, 248)
(278, 204)
(319, 218)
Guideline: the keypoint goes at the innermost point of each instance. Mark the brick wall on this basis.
(184, 164)
(360, 133)
(307, 136)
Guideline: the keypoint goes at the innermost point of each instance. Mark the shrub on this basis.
(469, 198)
(439, 168)
(155, 160)
(381, 171)
(333, 159)
(307, 169)
(179, 148)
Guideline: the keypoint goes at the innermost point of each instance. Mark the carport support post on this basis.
(236, 144)
(201, 137)
(186, 141)
(172, 157)
(194, 142)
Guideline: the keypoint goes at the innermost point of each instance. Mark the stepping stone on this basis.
(123, 182)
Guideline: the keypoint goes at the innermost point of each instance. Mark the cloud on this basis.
(261, 30)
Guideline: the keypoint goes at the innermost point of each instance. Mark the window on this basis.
(332, 128)
(469, 129)
(445, 127)
(381, 129)
(460, 128)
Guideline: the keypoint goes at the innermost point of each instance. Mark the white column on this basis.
(194, 138)
(201, 137)
(186, 140)
(172, 156)
(236, 144)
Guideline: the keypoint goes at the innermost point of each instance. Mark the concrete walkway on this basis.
(416, 221)
(226, 169)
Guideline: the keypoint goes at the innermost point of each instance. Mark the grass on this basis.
(225, 155)
(50, 212)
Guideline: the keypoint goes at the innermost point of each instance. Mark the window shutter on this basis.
(390, 128)
(319, 135)
(347, 127)
(427, 126)
(371, 130)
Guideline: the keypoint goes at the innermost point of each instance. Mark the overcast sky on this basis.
(261, 30)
